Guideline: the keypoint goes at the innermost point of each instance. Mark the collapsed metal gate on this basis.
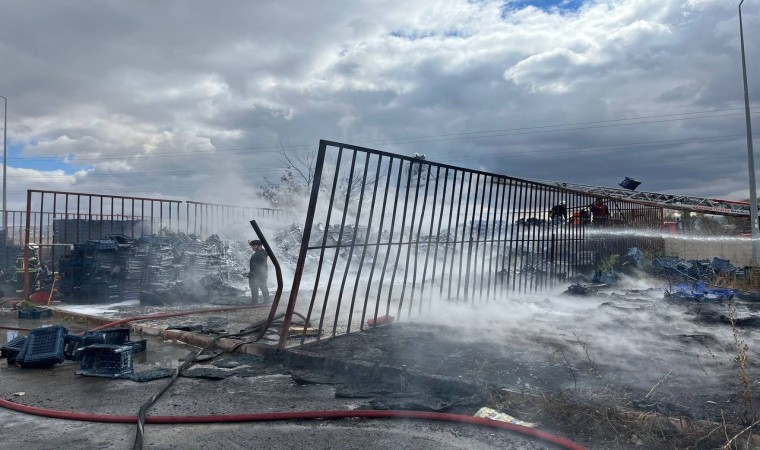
(391, 235)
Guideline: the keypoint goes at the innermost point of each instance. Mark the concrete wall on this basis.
(737, 250)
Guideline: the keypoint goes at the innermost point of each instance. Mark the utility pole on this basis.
(5, 186)
(750, 154)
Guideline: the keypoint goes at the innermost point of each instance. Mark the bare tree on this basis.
(296, 180)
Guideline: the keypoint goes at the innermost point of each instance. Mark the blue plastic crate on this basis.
(108, 361)
(101, 244)
(12, 348)
(72, 347)
(113, 336)
(43, 347)
(138, 346)
(34, 313)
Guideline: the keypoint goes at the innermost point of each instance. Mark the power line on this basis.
(420, 139)
(571, 150)
(706, 139)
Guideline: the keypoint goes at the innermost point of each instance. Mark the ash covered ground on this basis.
(625, 347)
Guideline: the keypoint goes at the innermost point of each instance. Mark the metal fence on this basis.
(392, 235)
(54, 220)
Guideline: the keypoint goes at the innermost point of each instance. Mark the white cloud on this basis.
(208, 88)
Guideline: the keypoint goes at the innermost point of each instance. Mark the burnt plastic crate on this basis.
(12, 348)
(34, 313)
(112, 336)
(138, 346)
(72, 347)
(108, 361)
(629, 183)
(43, 347)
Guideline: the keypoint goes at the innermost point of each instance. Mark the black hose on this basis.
(255, 328)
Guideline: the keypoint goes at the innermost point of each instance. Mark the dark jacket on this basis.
(258, 264)
(599, 210)
(558, 211)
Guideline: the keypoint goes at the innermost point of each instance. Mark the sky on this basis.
(195, 99)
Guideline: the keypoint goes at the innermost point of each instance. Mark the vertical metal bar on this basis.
(500, 276)
(101, 217)
(390, 241)
(485, 232)
(377, 244)
(132, 219)
(411, 232)
(113, 229)
(26, 243)
(55, 205)
(142, 219)
(548, 201)
(465, 240)
(307, 231)
(456, 233)
(468, 269)
(79, 219)
(366, 240)
(417, 239)
(353, 245)
(89, 217)
(495, 235)
(338, 246)
(535, 253)
(509, 238)
(440, 222)
(519, 263)
(304, 249)
(151, 218)
(42, 208)
(400, 241)
(66, 220)
(430, 234)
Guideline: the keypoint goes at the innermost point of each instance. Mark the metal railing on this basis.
(54, 220)
(390, 235)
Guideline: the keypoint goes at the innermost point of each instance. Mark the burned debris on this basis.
(155, 269)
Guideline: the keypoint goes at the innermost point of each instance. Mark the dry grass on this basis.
(606, 418)
(750, 282)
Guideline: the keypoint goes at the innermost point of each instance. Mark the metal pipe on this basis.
(278, 275)
(302, 253)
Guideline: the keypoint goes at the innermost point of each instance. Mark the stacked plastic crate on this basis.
(101, 271)
(134, 272)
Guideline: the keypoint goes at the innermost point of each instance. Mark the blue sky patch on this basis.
(547, 5)
(17, 159)
(412, 35)
(415, 35)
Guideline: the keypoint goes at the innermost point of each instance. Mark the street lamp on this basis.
(750, 154)
(5, 190)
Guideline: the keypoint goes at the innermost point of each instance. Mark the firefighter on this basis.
(558, 213)
(257, 276)
(600, 213)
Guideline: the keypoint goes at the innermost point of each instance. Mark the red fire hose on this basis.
(296, 415)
